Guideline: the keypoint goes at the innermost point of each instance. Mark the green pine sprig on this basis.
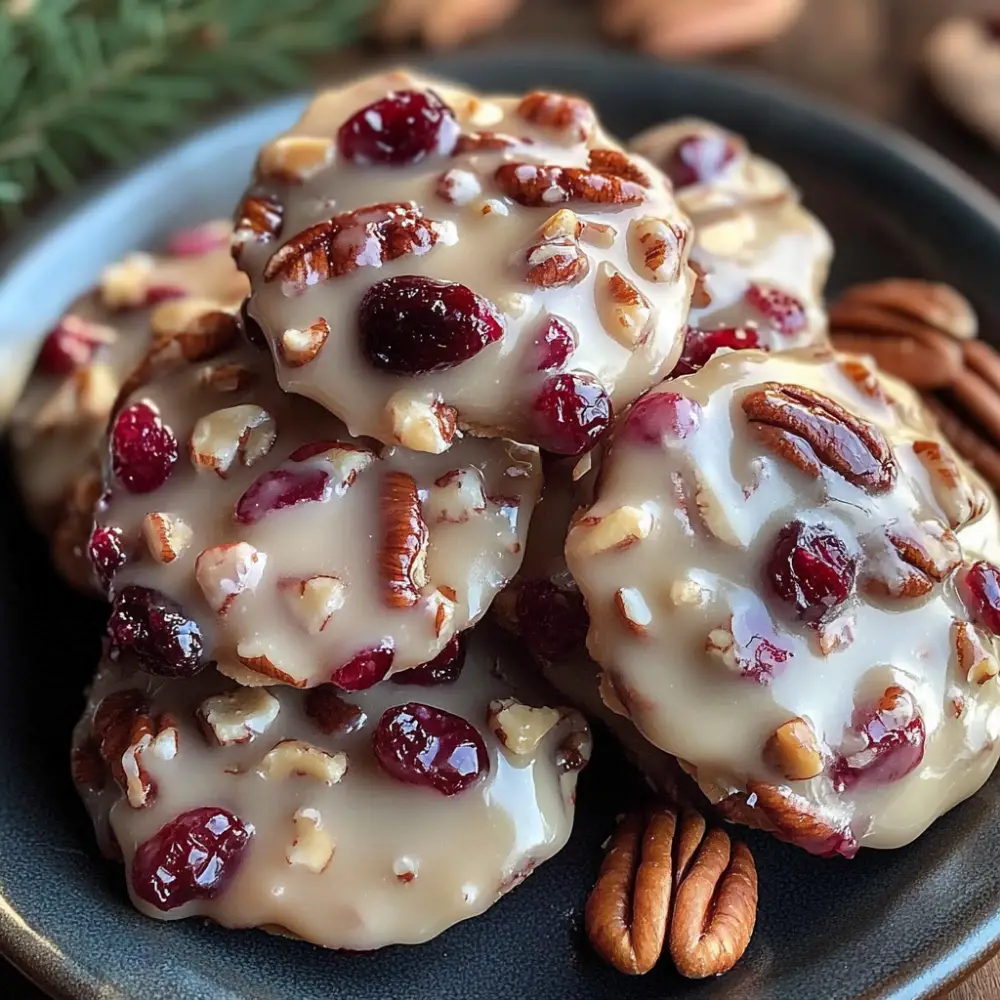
(89, 82)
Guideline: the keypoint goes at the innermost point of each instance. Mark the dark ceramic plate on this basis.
(886, 925)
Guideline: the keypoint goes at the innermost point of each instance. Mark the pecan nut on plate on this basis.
(926, 334)
(806, 614)
(214, 795)
(179, 298)
(426, 262)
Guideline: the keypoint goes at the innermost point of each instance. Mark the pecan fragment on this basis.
(403, 550)
(571, 115)
(656, 248)
(258, 218)
(907, 561)
(975, 447)
(554, 263)
(475, 142)
(811, 431)
(614, 163)
(662, 871)
(366, 237)
(537, 186)
(961, 500)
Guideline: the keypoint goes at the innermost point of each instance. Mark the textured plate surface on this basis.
(883, 926)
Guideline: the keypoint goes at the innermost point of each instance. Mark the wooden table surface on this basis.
(864, 53)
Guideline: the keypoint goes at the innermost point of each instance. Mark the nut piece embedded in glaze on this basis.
(302, 554)
(58, 424)
(817, 682)
(760, 256)
(316, 846)
(471, 223)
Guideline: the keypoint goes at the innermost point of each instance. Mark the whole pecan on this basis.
(339, 245)
(538, 186)
(812, 431)
(663, 873)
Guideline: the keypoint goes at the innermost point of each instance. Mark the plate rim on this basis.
(56, 972)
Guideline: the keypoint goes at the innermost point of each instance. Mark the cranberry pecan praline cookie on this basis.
(242, 525)
(352, 821)
(60, 420)
(791, 587)
(425, 262)
(761, 257)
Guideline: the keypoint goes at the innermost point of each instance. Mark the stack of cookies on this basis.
(306, 500)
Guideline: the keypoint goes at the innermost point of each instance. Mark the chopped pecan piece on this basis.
(536, 186)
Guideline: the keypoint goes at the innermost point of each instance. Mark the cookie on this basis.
(426, 262)
(791, 586)
(360, 821)
(243, 526)
(60, 420)
(761, 257)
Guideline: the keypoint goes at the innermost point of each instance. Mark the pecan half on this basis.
(811, 431)
(366, 237)
(536, 186)
(614, 163)
(907, 561)
(403, 549)
(475, 142)
(662, 871)
(258, 218)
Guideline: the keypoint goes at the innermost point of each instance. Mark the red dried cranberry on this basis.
(571, 414)
(661, 416)
(143, 449)
(401, 128)
(162, 293)
(443, 669)
(422, 745)
(198, 240)
(551, 619)
(251, 328)
(412, 325)
(979, 587)
(553, 345)
(783, 311)
(68, 346)
(156, 631)
(107, 553)
(811, 569)
(894, 737)
(194, 856)
(701, 345)
(365, 669)
(280, 488)
(699, 158)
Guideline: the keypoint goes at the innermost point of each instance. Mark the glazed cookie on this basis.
(244, 526)
(382, 819)
(762, 259)
(59, 422)
(426, 262)
(962, 56)
(791, 588)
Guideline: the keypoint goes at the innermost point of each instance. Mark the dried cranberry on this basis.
(365, 669)
(280, 488)
(552, 620)
(107, 553)
(571, 414)
(401, 128)
(69, 346)
(811, 569)
(143, 449)
(156, 631)
(251, 328)
(422, 745)
(701, 345)
(198, 240)
(445, 668)
(412, 325)
(783, 311)
(979, 587)
(192, 857)
(893, 735)
(162, 293)
(661, 416)
(699, 158)
(553, 345)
